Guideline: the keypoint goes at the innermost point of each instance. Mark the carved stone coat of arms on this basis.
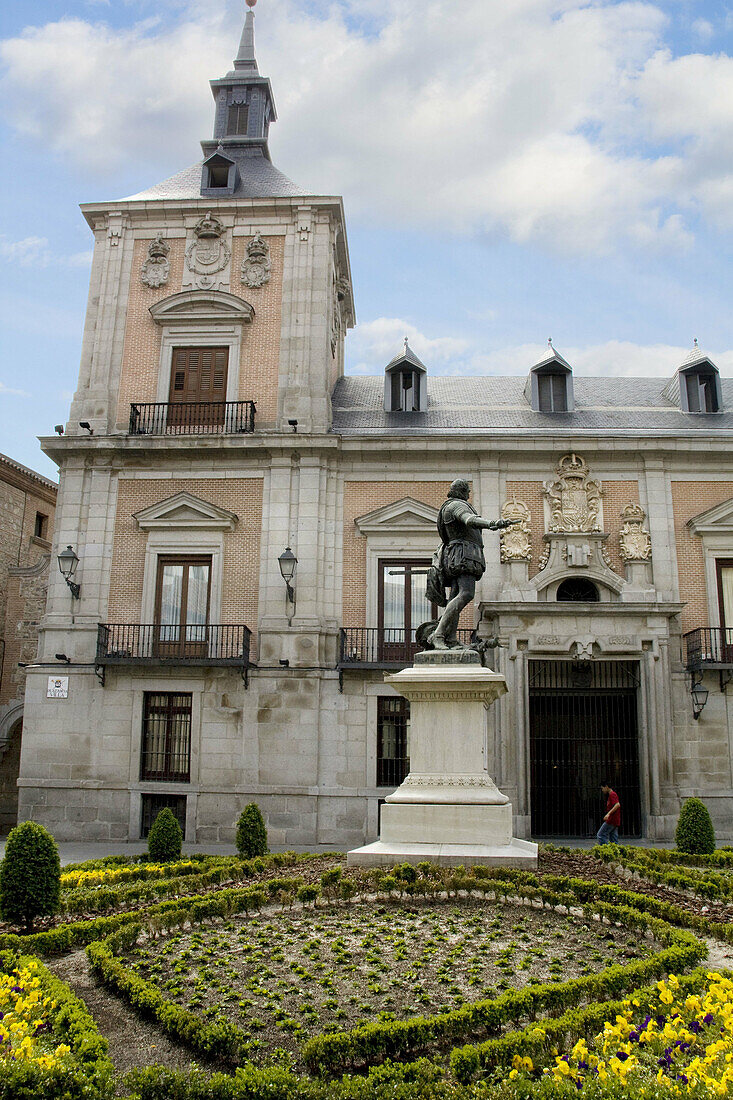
(156, 267)
(574, 497)
(208, 253)
(256, 265)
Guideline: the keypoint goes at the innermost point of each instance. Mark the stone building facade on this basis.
(27, 507)
(221, 430)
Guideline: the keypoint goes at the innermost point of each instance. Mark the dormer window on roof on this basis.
(406, 383)
(550, 384)
(696, 385)
(219, 176)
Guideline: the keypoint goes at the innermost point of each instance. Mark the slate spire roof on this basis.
(406, 356)
(247, 147)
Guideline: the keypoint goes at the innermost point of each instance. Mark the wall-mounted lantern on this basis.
(699, 696)
(68, 562)
(288, 564)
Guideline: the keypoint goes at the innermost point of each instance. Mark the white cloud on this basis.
(373, 344)
(13, 393)
(531, 119)
(28, 252)
(36, 252)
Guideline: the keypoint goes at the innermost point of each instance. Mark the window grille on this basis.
(577, 590)
(166, 741)
(152, 804)
(393, 740)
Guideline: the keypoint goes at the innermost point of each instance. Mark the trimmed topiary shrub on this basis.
(30, 875)
(165, 837)
(695, 832)
(251, 832)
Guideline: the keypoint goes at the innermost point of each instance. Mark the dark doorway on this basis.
(583, 728)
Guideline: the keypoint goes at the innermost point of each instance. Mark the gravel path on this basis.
(132, 1041)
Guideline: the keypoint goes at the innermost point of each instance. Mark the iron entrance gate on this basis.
(583, 728)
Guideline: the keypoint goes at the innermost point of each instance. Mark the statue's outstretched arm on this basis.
(489, 524)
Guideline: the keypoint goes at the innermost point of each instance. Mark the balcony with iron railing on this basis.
(192, 418)
(149, 644)
(709, 647)
(372, 647)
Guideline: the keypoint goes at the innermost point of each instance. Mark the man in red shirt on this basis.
(608, 832)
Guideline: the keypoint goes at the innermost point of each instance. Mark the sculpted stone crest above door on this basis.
(574, 497)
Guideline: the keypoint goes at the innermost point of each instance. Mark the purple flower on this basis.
(695, 1027)
(621, 1055)
(708, 1019)
(661, 1021)
(17, 989)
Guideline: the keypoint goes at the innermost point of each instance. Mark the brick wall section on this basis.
(260, 356)
(22, 599)
(690, 498)
(260, 361)
(360, 498)
(25, 607)
(241, 566)
(616, 495)
(141, 354)
(12, 506)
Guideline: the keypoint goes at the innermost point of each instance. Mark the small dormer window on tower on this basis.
(702, 396)
(406, 386)
(695, 388)
(550, 385)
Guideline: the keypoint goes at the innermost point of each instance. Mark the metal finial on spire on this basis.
(406, 343)
(251, 3)
(549, 341)
(694, 340)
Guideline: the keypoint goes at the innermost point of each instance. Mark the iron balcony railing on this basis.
(152, 643)
(370, 647)
(193, 418)
(709, 647)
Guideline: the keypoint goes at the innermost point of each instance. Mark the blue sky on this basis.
(511, 171)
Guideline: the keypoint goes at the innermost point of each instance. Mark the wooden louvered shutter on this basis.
(199, 381)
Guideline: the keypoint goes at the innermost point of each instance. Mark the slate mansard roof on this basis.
(493, 403)
(259, 179)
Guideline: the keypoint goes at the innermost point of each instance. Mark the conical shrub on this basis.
(695, 833)
(165, 837)
(251, 832)
(30, 875)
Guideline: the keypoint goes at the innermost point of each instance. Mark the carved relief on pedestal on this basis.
(574, 498)
(516, 540)
(209, 253)
(634, 539)
(256, 265)
(156, 267)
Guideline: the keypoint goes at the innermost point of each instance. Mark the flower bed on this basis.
(678, 1042)
(189, 1010)
(49, 1045)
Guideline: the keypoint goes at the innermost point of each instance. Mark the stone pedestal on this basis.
(448, 810)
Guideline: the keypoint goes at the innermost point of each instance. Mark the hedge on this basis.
(91, 1078)
(328, 1053)
(65, 937)
(472, 1060)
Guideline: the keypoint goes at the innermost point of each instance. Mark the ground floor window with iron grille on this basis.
(393, 740)
(166, 745)
(152, 804)
(583, 724)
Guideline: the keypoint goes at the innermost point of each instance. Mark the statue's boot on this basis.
(437, 641)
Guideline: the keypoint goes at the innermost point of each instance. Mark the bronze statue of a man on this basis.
(459, 562)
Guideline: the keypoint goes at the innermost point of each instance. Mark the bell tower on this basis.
(245, 107)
